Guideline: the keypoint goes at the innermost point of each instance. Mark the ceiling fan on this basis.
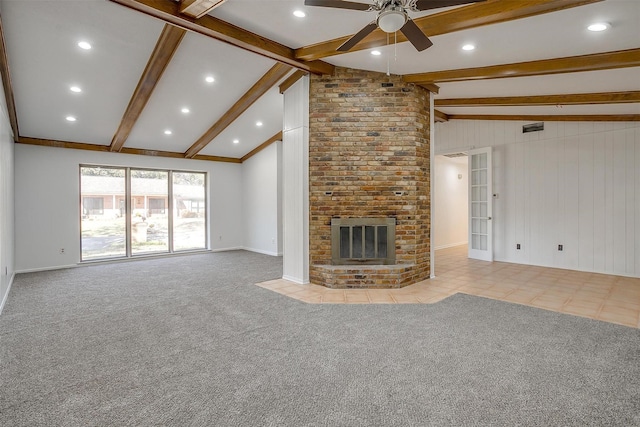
(392, 16)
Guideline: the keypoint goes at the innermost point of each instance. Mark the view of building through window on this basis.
(127, 212)
(149, 225)
(189, 209)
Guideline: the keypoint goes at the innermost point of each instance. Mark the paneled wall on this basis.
(295, 183)
(575, 184)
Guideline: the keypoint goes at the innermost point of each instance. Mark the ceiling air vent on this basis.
(453, 155)
(533, 127)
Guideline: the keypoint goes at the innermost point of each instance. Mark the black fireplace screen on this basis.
(363, 240)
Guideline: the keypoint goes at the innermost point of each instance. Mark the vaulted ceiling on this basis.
(143, 87)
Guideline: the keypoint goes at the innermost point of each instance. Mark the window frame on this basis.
(168, 209)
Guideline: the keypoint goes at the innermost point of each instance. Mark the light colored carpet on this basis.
(190, 341)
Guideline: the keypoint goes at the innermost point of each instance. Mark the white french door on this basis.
(480, 205)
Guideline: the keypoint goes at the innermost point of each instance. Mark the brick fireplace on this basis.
(369, 159)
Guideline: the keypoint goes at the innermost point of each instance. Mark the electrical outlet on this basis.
(219, 237)
(518, 246)
(560, 247)
(61, 250)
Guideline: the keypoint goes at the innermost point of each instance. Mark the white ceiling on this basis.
(553, 35)
(183, 85)
(44, 61)
(274, 20)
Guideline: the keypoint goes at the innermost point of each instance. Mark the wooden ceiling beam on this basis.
(268, 142)
(169, 11)
(551, 118)
(441, 117)
(198, 8)
(566, 99)
(166, 46)
(462, 18)
(216, 158)
(266, 82)
(43, 142)
(291, 80)
(431, 87)
(8, 87)
(105, 148)
(573, 64)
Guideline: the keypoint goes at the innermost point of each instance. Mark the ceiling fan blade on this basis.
(346, 46)
(434, 4)
(339, 4)
(415, 35)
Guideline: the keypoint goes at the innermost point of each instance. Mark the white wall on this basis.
(7, 218)
(295, 183)
(575, 184)
(262, 216)
(451, 206)
(47, 201)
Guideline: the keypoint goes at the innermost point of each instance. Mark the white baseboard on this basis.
(260, 251)
(121, 260)
(450, 245)
(564, 267)
(55, 267)
(295, 280)
(234, 248)
(5, 297)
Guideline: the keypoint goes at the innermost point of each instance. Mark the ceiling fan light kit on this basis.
(392, 19)
(393, 16)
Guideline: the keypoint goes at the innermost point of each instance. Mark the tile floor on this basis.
(598, 296)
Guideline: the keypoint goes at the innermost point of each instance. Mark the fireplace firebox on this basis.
(368, 241)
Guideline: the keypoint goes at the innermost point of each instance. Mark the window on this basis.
(149, 224)
(103, 225)
(93, 205)
(196, 205)
(156, 206)
(189, 219)
(127, 212)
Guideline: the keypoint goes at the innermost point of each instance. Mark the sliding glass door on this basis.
(128, 212)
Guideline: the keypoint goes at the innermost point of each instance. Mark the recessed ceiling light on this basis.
(258, 123)
(236, 141)
(599, 26)
(168, 132)
(75, 89)
(299, 14)
(209, 79)
(185, 110)
(84, 45)
(71, 119)
(468, 47)
(376, 53)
